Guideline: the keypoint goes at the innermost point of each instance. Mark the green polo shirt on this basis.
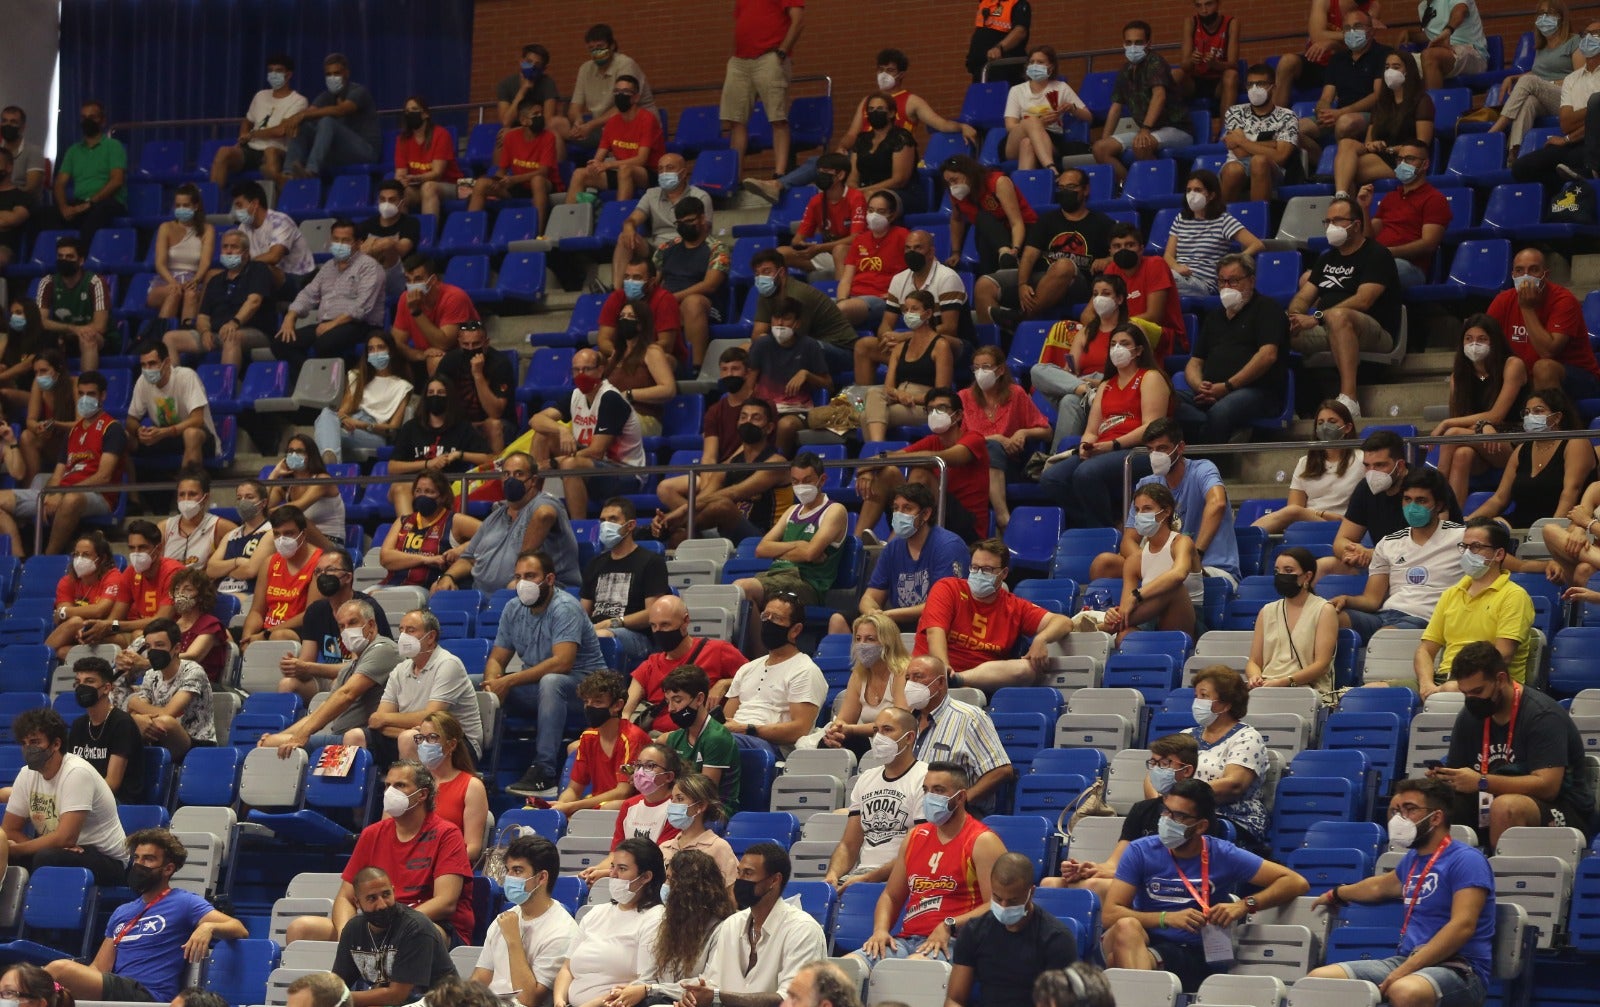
(717, 749)
(90, 167)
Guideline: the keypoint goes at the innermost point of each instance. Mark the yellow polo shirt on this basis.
(1502, 611)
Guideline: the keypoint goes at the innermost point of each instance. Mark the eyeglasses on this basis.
(1157, 764)
(1182, 818)
(633, 767)
(427, 739)
(1341, 221)
(1231, 281)
(991, 570)
(1410, 809)
(1476, 548)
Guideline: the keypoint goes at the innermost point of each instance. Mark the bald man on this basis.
(389, 954)
(885, 802)
(923, 271)
(671, 646)
(1006, 948)
(653, 222)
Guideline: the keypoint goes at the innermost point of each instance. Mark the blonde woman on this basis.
(877, 681)
(462, 800)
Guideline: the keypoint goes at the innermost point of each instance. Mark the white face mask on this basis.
(1120, 356)
(1259, 95)
(960, 190)
(1396, 79)
(354, 639)
(83, 566)
(529, 592)
(1231, 298)
(287, 545)
(885, 747)
(140, 561)
(388, 210)
(885, 81)
(395, 802)
(1337, 235)
(784, 334)
(1475, 352)
(408, 646)
(985, 377)
(1379, 481)
(938, 421)
(918, 695)
(1105, 305)
(804, 493)
(1161, 462)
(621, 894)
(1196, 199)
(877, 223)
(190, 509)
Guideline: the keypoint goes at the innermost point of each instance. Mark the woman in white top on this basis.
(374, 404)
(1154, 581)
(1034, 110)
(605, 953)
(1323, 480)
(233, 563)
(696, 805)
(696, 904)
(1296, 636)
(877, 680)
(193, 534)
(184, 249)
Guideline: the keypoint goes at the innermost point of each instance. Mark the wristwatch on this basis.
(116, 625)
(1250, 904)
(950, 925)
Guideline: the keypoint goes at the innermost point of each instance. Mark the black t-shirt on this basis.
(1352, 80)
(682, 267)
(410, 951)
(1143, 816)
(321, 625)
(418, 442)
(456, 366)
(541, 91)
(618, 587)
(119, 735)
(1006, 963)
(403, 226)
(1082, 241)
(10, 199)
(1338, 276)
(1544, 738)
(984, 39)
(874, 166)
(225, 295)
(1226, 344)
(1383, 515)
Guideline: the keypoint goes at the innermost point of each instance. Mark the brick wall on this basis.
(842, 37)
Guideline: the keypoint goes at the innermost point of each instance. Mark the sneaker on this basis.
(533, 784)
(1006, 318)
(1352, 405)
(769, 191)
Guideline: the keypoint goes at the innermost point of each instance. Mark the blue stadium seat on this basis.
(1088, 763)
(853, 921)
(1028, 835)
(699, 128)
(717, 172)
(464, 232)
(1032, 536)
(1480, 268)
(237, 970)
(817, 898)
(1448, 105)
(25, 667)
(1278, 274)
(142, 816)
(1302, 801)
(984, 105)
(161, 161)
(1079, 905)
(547, 822)
(471, 274)
(1516, 209)
(59, 906)
(1325, 869)
(1095, 91)
(746, 828)
(1046, 794)
(349, 196)
(114, 250)
(349, 797)
(479, 157)
(157, 770)
(1478, 160)
(210, 776)
(1583, 928)
(1027, 699)
(607, 228)
(781, 221)
(810, 121)
(757, 770)
(1078, 547)
(1369, 838)
(301, 198)
(549, 376)
(1023, 735)
(1152, 184)
(264, 379)
(1038, 590)
(514, 223)
(218, 381)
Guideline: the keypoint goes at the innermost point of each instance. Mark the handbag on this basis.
(494, 858)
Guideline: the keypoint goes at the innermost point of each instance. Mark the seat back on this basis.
(269, 782)
(1147, 989)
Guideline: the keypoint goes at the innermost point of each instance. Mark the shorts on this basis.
(253, 158)
(94, 504)
(1015, 467)
(1370, 336)
(787, 580)
(765, 78)
(1312, 76)
(1245, 162)
(1410, 273)
(1186, 961)
(874, 310)
(1166, 136)
(1007, 280)
(611, 178)
(1581, 383)
(1563, 814)
(115, 987)
(1367, 623)
(904, 946)
(1468, 60)
(602, 487)
(1454, 982)
(1205, 87)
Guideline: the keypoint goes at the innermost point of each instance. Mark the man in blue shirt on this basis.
(549, 631)
(151, 940)
(1447, 888)
(920, 553)
(1173, 899)
(1202, 505)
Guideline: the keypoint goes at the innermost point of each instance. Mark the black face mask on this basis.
(627, 328)
(435, 404)
(731, 385)
(1482, 707)
(624, 102)
(774, 636)
(90, 127)
(424, 506)
(10, 134)
(328, 584)
(413, 121)
(915, 261)
(383, 918)
(596, 715)
(142, 879)
(749, 433)
(684, 717)
(68, 269)
(878, 118)
(825, 180)
(514, 489)
(744, 893)
(689, 232)
(536, 125)
(666, 640)
(86, 695)
(1126, 259)
(1286, 584)
(159, 659)
(1069, 199)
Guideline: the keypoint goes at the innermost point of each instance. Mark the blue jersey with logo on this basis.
(1153, 872)
(151, 952)
(1459, 866)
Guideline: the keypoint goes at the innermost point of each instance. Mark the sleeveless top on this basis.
(1121, 409)
(418, 539)
(328, 515)
(1286, 651)
(1155, 562)
(193, 549)
(451, 802)
(801, 527)
(869, 710)
(183, 257)
(1538, 495)
(920, 371)
(1211, 45)
(942, 878)
(287, 590)
(241, 544)
(762, 510)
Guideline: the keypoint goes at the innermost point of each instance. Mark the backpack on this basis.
(1574, 203)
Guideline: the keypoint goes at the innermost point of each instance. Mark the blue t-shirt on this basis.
(905, 580)
(1153, 872)
(1199, 475)
(151, 952)
(532, 636)
(1459, 866)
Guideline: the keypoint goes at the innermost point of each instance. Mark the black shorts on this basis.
(1205, 87)
(115, 987)
(253, 158)
(611, 178)
(1312, 76)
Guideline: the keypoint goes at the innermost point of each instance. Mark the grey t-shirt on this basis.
(364, 120)
(443, 679)
(661, 215)
(31, 158)
(375, 662)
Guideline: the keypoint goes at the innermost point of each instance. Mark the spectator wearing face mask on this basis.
(341, 304)
(1236, 373)
(105, 736)
(172, 705)
(529, 163)
(996, 408)
(201, 635)
(143, 595)
(606, 745)
(480, 382)
(673, 647)
(357, 688)
(284, 586)
(235, 563)
(622, 582)
(527, 519)
(919, 553)
(885, 802)
(339, 127)
(873, 257)
(323, 649)
(429, 318)
(391, 234)
(75, 304)
(922, 361)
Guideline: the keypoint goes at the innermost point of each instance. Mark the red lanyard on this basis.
(1415, 883)
(1511, 730)
(139, 915)
(1203, 896)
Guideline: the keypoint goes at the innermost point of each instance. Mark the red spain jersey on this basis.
(941, 879)
(877, 261)
(287, 590)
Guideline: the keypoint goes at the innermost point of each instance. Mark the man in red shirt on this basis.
(529, 164)
(764, 36)
(427, 321)
(142, 593)
(641, 282)
(876, 255)
(631, 145)
(1411, 220)
(424, 856)
(92, 456)
(674, 647)
(1543, 323)
(835, 215)
(1151, 295)
(966, 459)
(973, 625)
(609, 743)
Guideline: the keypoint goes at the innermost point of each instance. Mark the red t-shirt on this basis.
(1018, 412)
(71, 591)
(1404, 214)
(663, 308)
(759, 26)
(410, 156)
(976, 631)
(877, 260)
(146, 592)
(968, 483)
(87, 440)
(595, 772)
(1560, 312)
(1151, 275)
(436, 851)
(521, 154)
(451, 306)
(624, 137)
(719, 659)
(825, 221)
(968, 208)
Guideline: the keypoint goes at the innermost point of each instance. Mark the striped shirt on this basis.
(1201, 242)
(280, 229)
(961, 733)
(355, 290)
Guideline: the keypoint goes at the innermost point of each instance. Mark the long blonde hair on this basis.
(894, 649)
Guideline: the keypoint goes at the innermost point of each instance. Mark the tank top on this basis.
(630, 378)
(802, 527)
(920, 371)
(1538, 495)
(451, 803)
(870, 710)
(1155, 562)
(1211, 45)
(942, 877)
(763, 509)
(418, 539)
(1287, 651)
(287, 589)
(328, 515)
(241, 544)
(183, 257)
(1121, 409)
(193, 549)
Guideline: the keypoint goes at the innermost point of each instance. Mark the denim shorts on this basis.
(1455, 983)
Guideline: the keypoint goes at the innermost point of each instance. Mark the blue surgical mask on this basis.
(516, 889)
(1037, 71)
(1535, 423)
(669, 180)
(1405, 172)
(679, 816)
(767, 285)
(19, 322)
(295, 460)
(276, 80)
(152, 375)
(241, 215)
(1009, 916)
(904, 525)
(46, 382)
(339, 250)
(1135, 53)
(417, 288)
(1162, 779)
(1589, 45)
(936, 808)
(1547, 24)
(231, 260)
(1473, 565)
(378, 360)
(981, 583)
(1204, 715)
(334, 82)
(633, 289)
(183, 214)
(431, 754)
(1146, 524)
(1172, 834)
(88, 406)
(666, 890)
(610, 535)
(1355, 38)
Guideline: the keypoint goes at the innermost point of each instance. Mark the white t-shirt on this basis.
(887, 808)
(605, 950)
(765, 689)
(171, 405)
(943, 283)
(77, 786)
(644, 820)
(1023, 101)
(266, 110)
(1331, 491)
(545, 940)
(1418, 574)
(382, 396)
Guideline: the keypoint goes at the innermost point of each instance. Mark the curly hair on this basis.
(699, 902)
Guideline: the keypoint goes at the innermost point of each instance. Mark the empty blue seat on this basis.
(1029, 835)
(853, 920)
(607, 228)
(521, 279)
(1479, 268)
(810, 121)
(301, 198)
(1478, 160)
(1032, 536)
(1046, 794)
(349, 196)
(161, 161)
(464, 231)
(114, 250)
(513, 223)
(1024, 734)
(699, 128)
(984, 105)
(716, 171)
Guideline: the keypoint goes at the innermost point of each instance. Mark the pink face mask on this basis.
(644, 780)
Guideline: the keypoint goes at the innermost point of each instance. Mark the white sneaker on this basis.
(1352, 405)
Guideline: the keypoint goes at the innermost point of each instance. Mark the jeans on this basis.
(550, 701)
(329, 143)
(1192, 285)
(1072, 410)
(1215, 423)
(331, 436)
(1367, 623)
(804, 173)
(1090, 490)
(632, 648)
(1410, 275)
